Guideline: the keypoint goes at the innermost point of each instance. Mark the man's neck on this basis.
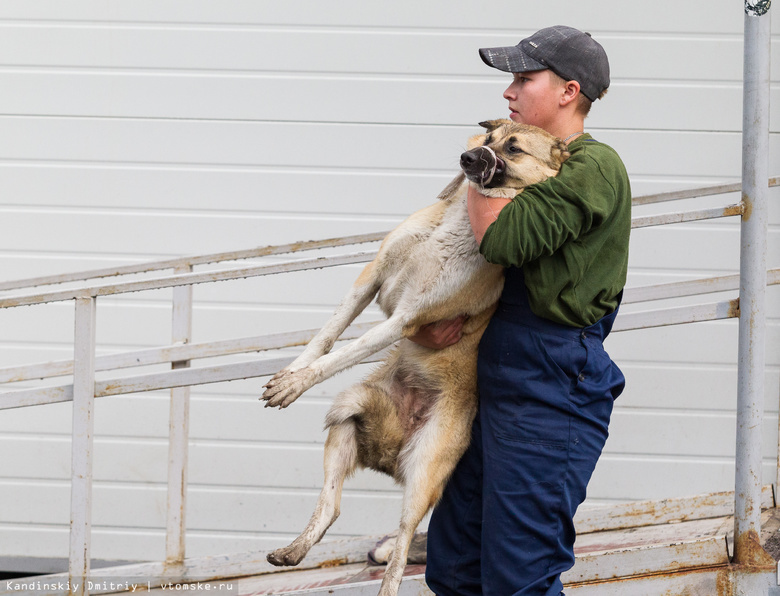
(567, 127)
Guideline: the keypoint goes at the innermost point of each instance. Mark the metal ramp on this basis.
(673, 546)
(678, 546)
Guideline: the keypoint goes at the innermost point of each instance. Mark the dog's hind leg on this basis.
(427, 465)
(340, 462)
(364, 432)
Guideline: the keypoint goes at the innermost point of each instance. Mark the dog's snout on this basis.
(480, 164)
(483, 155)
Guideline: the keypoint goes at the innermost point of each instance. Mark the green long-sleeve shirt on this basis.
(570, 235)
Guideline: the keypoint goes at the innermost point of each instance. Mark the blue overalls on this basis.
(504, 524)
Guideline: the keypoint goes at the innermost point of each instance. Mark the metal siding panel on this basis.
(685, 387)
(213, 464)
(705, 106)
(242, 49)
(628, 478)
(106, 158)
(697, 16)
(216, 189)
(673, 434)
(232, 510)
(296, 145)
(144, 235)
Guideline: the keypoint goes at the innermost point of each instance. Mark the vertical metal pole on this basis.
(752, 319)
(82, 439)
(179, 424)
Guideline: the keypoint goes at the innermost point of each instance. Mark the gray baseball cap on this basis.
(570, 53)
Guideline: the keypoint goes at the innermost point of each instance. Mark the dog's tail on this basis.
(369, 407)
(353, 402)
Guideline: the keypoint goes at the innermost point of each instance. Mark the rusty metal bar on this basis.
(187, 279)
(237, 255)
(258, 368)
(752, 320)
(174, 353)
(693, 287)
(638, 514)
(82, 446)
(685, 216)
(36, 397)
(179, 427)
(694, 193)
(677, 316)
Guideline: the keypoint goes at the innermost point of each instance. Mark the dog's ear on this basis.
(452, 187)
(559, 153)
(491, 125)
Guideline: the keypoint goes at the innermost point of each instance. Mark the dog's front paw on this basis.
(281, 374)
(287, 386)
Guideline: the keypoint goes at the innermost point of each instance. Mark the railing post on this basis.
(179, 424)
(752, 319)
(82, 445)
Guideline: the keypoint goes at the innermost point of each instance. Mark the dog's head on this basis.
(510, 156)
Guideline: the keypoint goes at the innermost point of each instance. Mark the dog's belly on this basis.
(413, 398)
(393, 409)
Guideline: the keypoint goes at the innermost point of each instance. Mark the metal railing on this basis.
(84, 388)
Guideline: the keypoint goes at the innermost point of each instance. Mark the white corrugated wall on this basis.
(137, 130)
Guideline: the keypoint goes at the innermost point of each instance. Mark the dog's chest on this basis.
(436, 266)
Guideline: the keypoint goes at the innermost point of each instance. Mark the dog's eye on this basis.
(488, 139)
(514, 149)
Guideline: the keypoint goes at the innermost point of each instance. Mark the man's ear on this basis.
(570, 92)
(491, 125)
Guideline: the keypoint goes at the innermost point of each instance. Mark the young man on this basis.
(504, 525)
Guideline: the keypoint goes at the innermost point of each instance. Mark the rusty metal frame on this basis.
(749, 556)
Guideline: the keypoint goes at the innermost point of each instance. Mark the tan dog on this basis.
(411, 418)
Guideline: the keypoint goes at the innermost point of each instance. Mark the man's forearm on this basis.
(483, 211)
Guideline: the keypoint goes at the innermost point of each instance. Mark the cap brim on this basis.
(510, 59)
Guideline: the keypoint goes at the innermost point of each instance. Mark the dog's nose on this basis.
(467, 159)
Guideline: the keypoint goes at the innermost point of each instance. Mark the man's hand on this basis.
(440, 334)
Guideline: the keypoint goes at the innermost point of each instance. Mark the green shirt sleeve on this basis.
(545, 216)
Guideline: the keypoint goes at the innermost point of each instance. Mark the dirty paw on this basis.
(277, 377)
(289, 555)
(282, 390)
(383, 550)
